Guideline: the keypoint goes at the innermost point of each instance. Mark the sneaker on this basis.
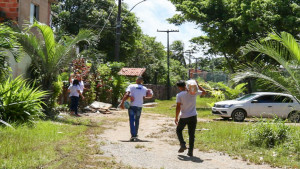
(77, 115)
(182, 148)
(132, 139)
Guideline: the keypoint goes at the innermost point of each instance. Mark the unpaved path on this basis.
(157, 147)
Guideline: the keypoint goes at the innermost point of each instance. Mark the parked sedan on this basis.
(260, 104)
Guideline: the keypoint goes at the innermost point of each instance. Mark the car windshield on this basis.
(246, 97)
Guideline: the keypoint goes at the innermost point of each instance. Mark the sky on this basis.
(154, 14)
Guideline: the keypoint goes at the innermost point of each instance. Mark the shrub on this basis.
(268, 134)
(20, 102)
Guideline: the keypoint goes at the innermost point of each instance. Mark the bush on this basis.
(268, 134)
(20, 102)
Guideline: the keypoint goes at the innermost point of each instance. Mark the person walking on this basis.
(186, 110)
(137, 92)
(75, 92)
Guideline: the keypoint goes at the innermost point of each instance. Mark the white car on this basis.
(260, 104)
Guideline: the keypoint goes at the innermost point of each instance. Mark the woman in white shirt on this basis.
(74, 90)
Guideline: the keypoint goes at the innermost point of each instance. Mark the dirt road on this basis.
(157, 146)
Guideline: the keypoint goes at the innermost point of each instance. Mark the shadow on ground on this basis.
(188, 158)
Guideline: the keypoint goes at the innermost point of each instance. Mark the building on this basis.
(24, 11)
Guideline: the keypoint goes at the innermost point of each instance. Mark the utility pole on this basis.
(168, 61)
(118, 32)
(196, 70)
(118, 28)
(190, 52)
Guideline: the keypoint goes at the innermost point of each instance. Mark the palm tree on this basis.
(48, 56)
(285, 50)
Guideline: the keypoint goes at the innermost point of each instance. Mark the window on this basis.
(283, 99)
(34, 12)
(265, 99)
(246, 97)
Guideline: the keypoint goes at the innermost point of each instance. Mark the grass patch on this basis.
(168, 107)
(231, 138)
(34, 147)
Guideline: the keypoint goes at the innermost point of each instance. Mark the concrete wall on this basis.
(44, 11)
(19, 10)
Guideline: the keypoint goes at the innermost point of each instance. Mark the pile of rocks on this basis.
(99, 107)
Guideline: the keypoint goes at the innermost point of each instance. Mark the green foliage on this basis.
(49, 57)
(57, 87)
(177, 48)
(50, 141)
(230, 24)
(232, 92)
(109, 86)
(268, 134)
(20, 102)
(8, 45)
(64, 76)
(285, 50)
(73, 15)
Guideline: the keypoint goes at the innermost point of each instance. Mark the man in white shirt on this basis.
(186, 107)
(137, 92)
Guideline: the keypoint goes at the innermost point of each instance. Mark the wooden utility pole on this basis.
(168, 62)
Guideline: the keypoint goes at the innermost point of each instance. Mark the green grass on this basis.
(65, 143)
(230, 137)
(34, 147)
(167, 107)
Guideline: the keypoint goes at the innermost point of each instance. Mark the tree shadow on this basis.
(188, 158)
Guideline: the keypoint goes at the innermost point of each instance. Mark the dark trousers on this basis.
(74, 104)
(134, 119)
(191, 122)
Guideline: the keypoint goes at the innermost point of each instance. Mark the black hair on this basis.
(140, 78)
(181, 83)
(75, 82)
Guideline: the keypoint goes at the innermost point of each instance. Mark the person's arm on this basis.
(125, 97)
(200, 88)
(80, 94)
(177, 112)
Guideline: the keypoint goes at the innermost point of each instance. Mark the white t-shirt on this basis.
(188, 103)
(138, 91)
(74, 90)
(81, 85)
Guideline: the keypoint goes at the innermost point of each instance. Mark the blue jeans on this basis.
(134, 119)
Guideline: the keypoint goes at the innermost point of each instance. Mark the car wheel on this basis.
(225, 118)
(294, 117)
(238, 115)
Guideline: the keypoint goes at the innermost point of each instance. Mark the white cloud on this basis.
(154, 13)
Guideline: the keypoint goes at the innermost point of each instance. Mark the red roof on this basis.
(132, 71)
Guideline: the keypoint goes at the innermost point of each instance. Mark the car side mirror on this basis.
(254, 101)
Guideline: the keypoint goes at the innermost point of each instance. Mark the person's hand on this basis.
(122, 106)
(176, 121)
(131, 98)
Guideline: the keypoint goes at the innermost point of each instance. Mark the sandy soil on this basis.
(157, 146)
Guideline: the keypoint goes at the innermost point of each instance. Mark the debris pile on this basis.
(99, 107)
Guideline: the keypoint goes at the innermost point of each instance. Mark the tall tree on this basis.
(177, 48)
(72, 15)
(229, 24)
